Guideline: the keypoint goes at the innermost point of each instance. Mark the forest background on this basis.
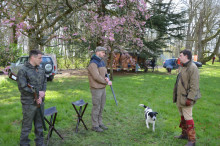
(72, 29)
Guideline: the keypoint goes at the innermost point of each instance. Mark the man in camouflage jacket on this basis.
(98, 82)
(186, 91)
(32, 74)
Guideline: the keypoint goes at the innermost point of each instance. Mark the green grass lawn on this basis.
(126, 121)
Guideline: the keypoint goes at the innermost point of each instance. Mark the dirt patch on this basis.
(64, 73)
(84, 72)
(72, 72)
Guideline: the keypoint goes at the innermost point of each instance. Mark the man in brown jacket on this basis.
(98, 81)
(186, 91)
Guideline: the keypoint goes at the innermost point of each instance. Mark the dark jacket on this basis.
(190, 77)
(96, 73)
(34, 76)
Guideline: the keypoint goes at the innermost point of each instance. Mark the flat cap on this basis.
(99, 48)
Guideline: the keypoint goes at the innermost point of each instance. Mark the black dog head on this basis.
(153, 115)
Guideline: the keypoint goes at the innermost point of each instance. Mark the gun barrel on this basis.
(112, 91)
(42, 118)
(114, 95)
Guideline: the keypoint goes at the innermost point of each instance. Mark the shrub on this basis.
(9, 54)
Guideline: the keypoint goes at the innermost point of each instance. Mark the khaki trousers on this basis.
(98, 103)
(186, 112)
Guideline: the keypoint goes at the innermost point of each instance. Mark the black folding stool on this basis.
(80, 113)
(52, 112)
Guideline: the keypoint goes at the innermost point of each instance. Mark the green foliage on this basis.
(77, 58)
(53, 50)
(4, 83)
(64, 63)
(166, 24)
(10, 54)
(126, 121)
(80, 63)
(74, 63)
(155, 46)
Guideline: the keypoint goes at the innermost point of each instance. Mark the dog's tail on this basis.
(143, 105)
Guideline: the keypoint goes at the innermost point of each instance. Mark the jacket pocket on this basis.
(183, 99)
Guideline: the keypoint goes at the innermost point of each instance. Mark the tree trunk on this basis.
(14, 38)
(200, 32)
(215, 52)
(32, 42)
(188, 36)
(32, 35)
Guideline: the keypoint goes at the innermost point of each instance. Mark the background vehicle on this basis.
(172, 64)
(48, 63)
(198, 64)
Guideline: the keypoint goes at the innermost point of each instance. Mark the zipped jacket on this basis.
(96, 73)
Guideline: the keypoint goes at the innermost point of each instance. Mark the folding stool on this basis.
(80, 113)
(52, 111)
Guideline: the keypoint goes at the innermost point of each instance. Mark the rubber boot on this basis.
(183, 126)
(191, 133)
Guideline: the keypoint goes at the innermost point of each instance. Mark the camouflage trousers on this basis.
(31, 114)
(98, 103)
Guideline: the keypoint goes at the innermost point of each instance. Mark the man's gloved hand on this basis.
(189, 102)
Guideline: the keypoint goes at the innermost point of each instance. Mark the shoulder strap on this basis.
(183, 83)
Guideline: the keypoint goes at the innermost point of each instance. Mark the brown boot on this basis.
(183, 126)
(191, 133)
(182, 136)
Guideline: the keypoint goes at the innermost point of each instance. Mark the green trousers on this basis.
(31, 114)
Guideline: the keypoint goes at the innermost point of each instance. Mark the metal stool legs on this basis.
(52, 112)
(80, 113)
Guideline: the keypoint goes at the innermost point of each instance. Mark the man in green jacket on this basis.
(32, 74)
(98, 82)
(185, 92)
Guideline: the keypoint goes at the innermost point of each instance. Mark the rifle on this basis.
(12, 76)
(112, 90)
(38, 105)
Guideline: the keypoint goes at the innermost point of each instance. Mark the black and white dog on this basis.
(150, 116)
